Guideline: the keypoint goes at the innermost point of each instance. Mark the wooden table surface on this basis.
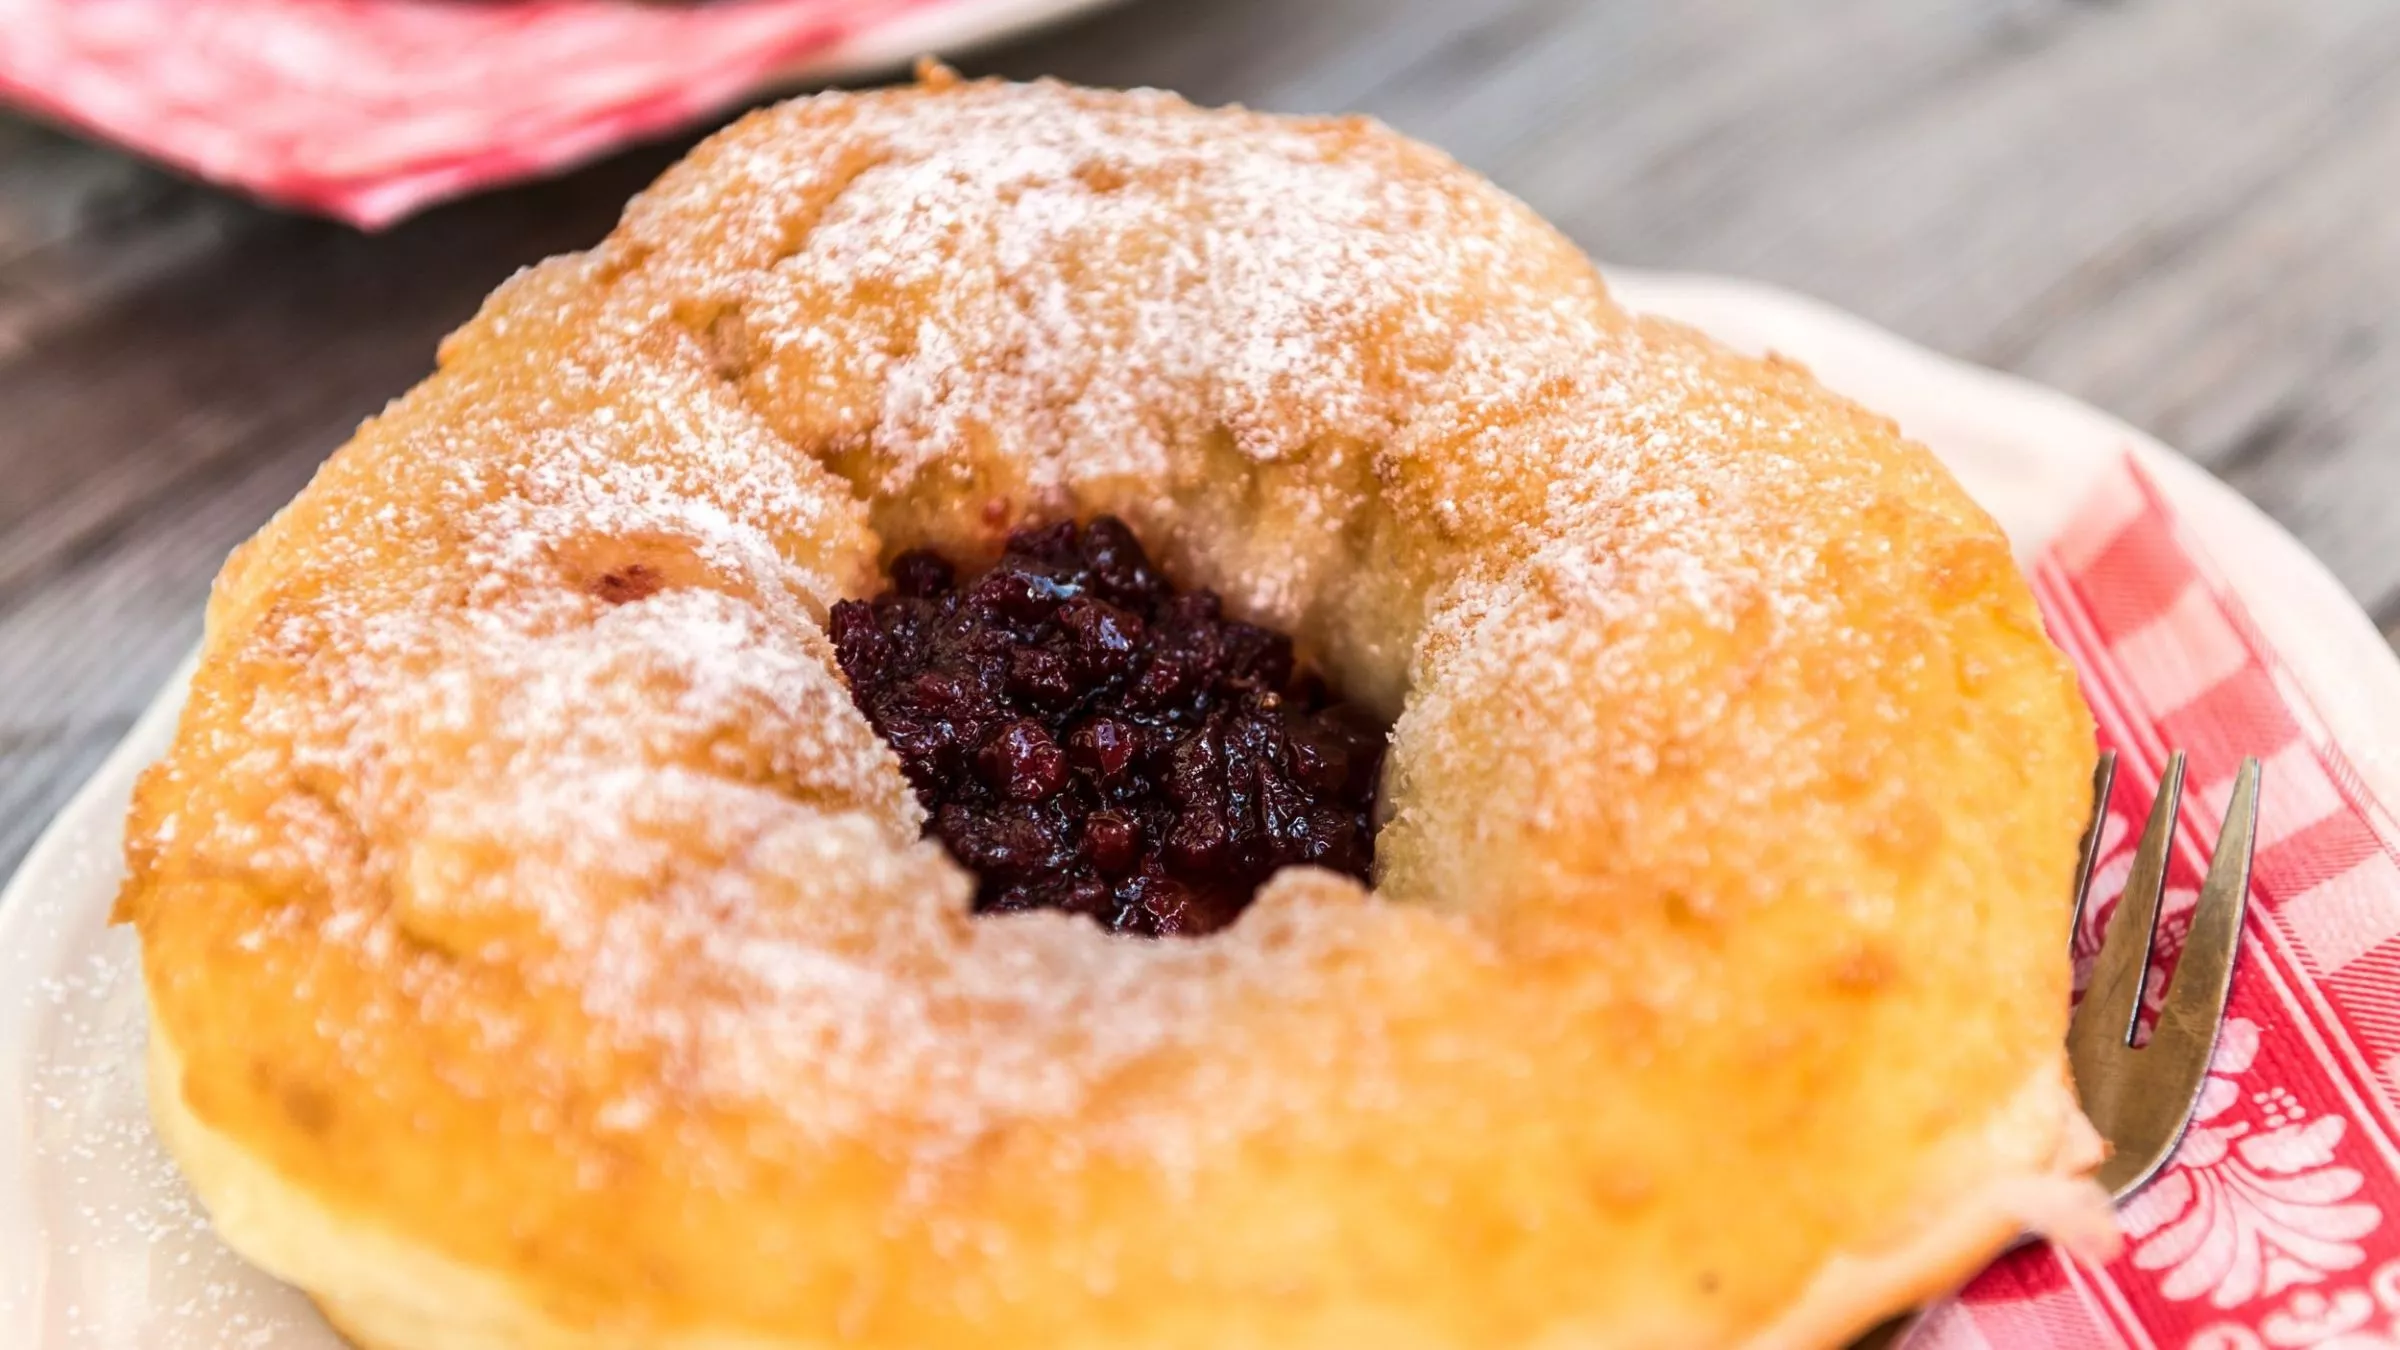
(2188, 214)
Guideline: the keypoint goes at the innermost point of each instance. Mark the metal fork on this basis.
(2140, 1098)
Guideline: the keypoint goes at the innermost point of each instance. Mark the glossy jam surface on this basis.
(1085, 737)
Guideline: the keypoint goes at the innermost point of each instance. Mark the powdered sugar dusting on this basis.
(1050, 298)
(665, 809)
(519, 805)
(134, 1261)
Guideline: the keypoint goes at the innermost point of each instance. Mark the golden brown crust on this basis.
(523, 889)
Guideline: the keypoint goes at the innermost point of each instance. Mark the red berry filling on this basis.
(1085, 737)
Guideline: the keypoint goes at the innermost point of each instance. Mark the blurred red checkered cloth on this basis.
(2275, 1224)
(369, 109)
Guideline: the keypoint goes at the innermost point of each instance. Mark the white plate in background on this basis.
(937, 30)
(101, 1248)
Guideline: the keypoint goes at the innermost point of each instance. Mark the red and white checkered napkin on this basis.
(2278, 1223)
(369, 109)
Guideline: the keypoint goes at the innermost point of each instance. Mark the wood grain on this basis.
(2179, 212)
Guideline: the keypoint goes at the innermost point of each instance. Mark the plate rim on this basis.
(935, 30)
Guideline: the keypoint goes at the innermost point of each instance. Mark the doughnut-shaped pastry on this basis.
(543, 951)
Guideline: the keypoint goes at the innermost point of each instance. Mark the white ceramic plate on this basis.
(100, 1246)
(941, 30)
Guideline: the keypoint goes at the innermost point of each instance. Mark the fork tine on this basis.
(2114, 999)
(2195, 1003)
(2104, 778)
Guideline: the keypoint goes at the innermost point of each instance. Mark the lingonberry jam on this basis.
(1085, 737)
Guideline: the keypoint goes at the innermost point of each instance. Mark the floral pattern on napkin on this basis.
(2274, 1224)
